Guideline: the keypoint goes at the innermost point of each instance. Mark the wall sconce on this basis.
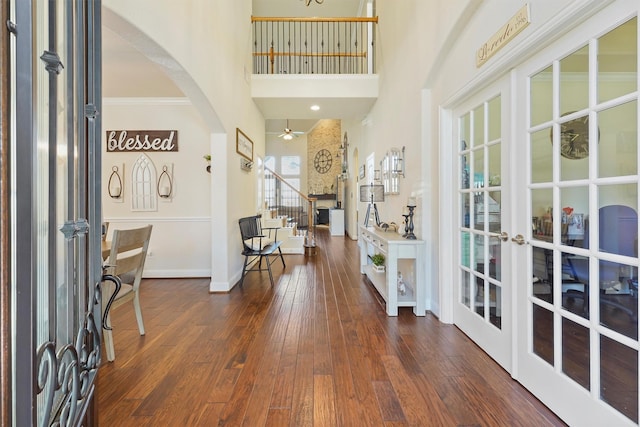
(165, 184)
(114, 185)
(245, 164)
(343, 154)
(396, 161)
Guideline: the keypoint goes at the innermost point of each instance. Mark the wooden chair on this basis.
(128, 253)
(256, 246)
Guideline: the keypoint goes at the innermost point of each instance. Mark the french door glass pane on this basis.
(575, 208)
(543, 333)
(495, 164)
(495, 118)
(478, 126)
(541, 212)
(465, 291)
(618, 61)
(541, 96)
(465, 132)
(541, 156)
(575, 352)
(542, 281)
(618, 142)
(574, 80)
(619, 377)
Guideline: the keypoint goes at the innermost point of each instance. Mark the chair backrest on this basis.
(129, 251)
(618, 231)
(250, 227)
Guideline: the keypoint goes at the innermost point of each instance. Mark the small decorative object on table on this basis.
(378, 262)
(402, 288)
(411, 205)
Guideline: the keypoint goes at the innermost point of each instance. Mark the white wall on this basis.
(180, 243)
(205, 47)
(441, 39)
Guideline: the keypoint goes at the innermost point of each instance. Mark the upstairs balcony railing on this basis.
(313, 45)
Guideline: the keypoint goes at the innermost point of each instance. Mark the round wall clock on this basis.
(574, 138)
(322, 161)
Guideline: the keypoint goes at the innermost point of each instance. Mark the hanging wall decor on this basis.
(165, 183)
(115, 185)
(244, 145)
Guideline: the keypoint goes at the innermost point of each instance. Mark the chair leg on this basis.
(282, 258)
(244, 269)
(269, 268)
(136, 306)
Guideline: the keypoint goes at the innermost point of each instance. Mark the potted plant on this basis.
(378, 262)
(207, 157)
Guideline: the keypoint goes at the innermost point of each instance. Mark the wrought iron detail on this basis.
(11, 26)
(90, 111)
(54, 64)
(118, 283)
(65, 378)
(71, 229)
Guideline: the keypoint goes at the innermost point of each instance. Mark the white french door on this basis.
(482, 307)
(576, 271)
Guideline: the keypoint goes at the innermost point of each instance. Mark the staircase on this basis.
(286, 207)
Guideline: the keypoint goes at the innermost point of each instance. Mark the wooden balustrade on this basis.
(313, 45)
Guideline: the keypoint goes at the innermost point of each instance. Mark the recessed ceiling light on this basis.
(315, 107)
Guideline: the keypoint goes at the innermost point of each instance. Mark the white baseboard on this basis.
(161, 274)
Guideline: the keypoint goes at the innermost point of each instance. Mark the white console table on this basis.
(394, 247)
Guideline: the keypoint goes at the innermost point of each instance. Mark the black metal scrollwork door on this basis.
(55, 210)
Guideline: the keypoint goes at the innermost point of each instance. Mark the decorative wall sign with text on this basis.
(142, 140)
(516, 24)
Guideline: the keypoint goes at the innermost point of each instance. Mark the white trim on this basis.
(165, 274)
(146, 220)
(146, 101)
(564, 21)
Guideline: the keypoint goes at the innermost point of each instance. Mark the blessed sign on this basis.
(142, 140)
(517, 23)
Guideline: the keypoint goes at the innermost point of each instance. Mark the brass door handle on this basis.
(519, 239)
(504, 236)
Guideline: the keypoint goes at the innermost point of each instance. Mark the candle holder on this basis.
(410, 234)
(406, 224)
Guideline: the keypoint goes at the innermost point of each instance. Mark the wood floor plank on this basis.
(324, 401)
(315, 349)
(388, 402)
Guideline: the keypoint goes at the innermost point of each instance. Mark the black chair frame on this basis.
(254, 250)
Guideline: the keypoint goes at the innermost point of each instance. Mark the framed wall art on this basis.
(244, 145)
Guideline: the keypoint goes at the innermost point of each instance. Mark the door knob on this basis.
(519, 239)
(502, 236)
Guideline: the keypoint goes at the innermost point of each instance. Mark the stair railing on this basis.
(283, 199)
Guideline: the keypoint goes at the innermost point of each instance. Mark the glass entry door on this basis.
(55, 211)
(482, 307)
(577, 293)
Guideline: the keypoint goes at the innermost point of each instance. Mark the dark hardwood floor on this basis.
(317, 349)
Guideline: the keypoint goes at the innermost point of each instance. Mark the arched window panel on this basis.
(143, 185)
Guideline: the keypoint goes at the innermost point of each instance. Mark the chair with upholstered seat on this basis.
(126, 260)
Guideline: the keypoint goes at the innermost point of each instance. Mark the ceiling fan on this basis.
(289, 134)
